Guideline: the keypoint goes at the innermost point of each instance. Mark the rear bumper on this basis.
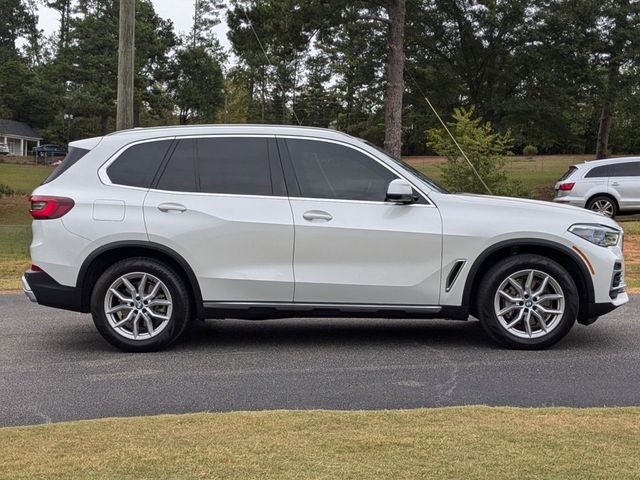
(41, 288)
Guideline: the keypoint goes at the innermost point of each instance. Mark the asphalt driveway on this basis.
(54, 366)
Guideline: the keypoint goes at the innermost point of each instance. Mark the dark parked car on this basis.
(49, 150)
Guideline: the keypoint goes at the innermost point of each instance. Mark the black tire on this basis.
(488, 288)
(591, 204)
(180, 308)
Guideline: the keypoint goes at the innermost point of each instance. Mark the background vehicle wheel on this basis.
(527, 302)
(603, 204)
(140, 305)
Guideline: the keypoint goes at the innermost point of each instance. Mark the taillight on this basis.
(565, 187)
(47, 208)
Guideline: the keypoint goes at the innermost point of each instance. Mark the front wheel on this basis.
(527, 302)
(140, 305)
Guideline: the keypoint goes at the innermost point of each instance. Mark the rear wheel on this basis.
(604, 205)
(140, 305)
(527, 302)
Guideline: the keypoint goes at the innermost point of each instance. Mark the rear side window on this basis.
(567, 174)
(180, 173)
(328, 170)
(626, 169)
(234, 165)
(69, 161)
(137, 165)
(598, 172)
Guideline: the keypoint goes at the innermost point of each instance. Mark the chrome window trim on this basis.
(105, 180)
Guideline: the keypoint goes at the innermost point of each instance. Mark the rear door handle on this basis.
(317, 216)
(615, 184)
(172, 207)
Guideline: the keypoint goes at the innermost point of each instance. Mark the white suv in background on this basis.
(609, 186)
(150, 228)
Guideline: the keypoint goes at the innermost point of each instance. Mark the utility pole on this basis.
(124, 115)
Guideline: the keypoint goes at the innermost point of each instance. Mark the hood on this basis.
(525, 206)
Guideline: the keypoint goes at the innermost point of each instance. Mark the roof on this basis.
(241, 129)
(605, 161)
(17, 129)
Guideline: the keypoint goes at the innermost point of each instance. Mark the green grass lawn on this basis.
(23, 178)
(447, 443)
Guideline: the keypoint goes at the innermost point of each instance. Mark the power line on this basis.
(284, 92)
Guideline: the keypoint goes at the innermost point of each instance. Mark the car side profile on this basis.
(147, 229)
(48, 150)
(608, 186)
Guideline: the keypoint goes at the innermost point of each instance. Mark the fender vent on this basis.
(454, 273)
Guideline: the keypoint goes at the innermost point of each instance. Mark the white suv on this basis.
(150, 228)
(609, 186)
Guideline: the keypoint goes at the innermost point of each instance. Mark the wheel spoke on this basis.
(119, 296)
(509, 297)
(527, 324)
(529, 282)
(158, 303)
(142, 285)
(157, 315)
(517, 286)
(125, 320)
(541, 321)
(129, 286)
(550, 297)
(148, 323)
(118, 308)
(135, 325)
(154, 291)
(549, 311)
(517, 320)
(508, 309)
(543, 285)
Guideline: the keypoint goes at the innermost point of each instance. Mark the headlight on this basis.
(598, 234)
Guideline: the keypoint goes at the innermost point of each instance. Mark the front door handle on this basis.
(317, 216)
(171, 207)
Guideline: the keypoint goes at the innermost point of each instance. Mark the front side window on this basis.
(626, 169)
(137, 165)
(329, 170)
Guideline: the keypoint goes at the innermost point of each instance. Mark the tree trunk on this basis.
(606, 115)
(395, 78)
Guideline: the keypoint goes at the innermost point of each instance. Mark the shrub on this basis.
(486, 151)
(6, 190)
(530, 150)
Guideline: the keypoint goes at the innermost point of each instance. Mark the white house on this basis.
(19, 136)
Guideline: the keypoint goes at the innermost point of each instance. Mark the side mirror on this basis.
(400, 191)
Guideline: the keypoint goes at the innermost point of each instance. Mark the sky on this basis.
(180, 12)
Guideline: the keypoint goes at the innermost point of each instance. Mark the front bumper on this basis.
(44, 290)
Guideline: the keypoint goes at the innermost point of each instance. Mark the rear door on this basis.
(220, 202)
(624, 182)
(351, 246)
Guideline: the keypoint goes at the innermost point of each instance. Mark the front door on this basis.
(351, 246)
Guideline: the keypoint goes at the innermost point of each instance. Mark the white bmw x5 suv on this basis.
(150, 228)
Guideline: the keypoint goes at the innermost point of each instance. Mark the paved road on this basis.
(54, 366)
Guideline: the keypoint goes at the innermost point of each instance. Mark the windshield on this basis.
(431, 183)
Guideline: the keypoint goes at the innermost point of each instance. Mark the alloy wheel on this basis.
(529, 304)
(603, 206)
(138, 306)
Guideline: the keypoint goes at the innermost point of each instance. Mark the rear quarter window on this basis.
(138, 164)
(568, 173)
(69, 161)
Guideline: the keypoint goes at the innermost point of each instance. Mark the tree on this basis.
(485, 149)
(197, 84)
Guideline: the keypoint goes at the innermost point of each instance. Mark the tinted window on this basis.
(234, 165)
(180, 174)
(627, 169)
(598, 172)
(567, 174)
(328, 170)
(137, 166)
(72, 157)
